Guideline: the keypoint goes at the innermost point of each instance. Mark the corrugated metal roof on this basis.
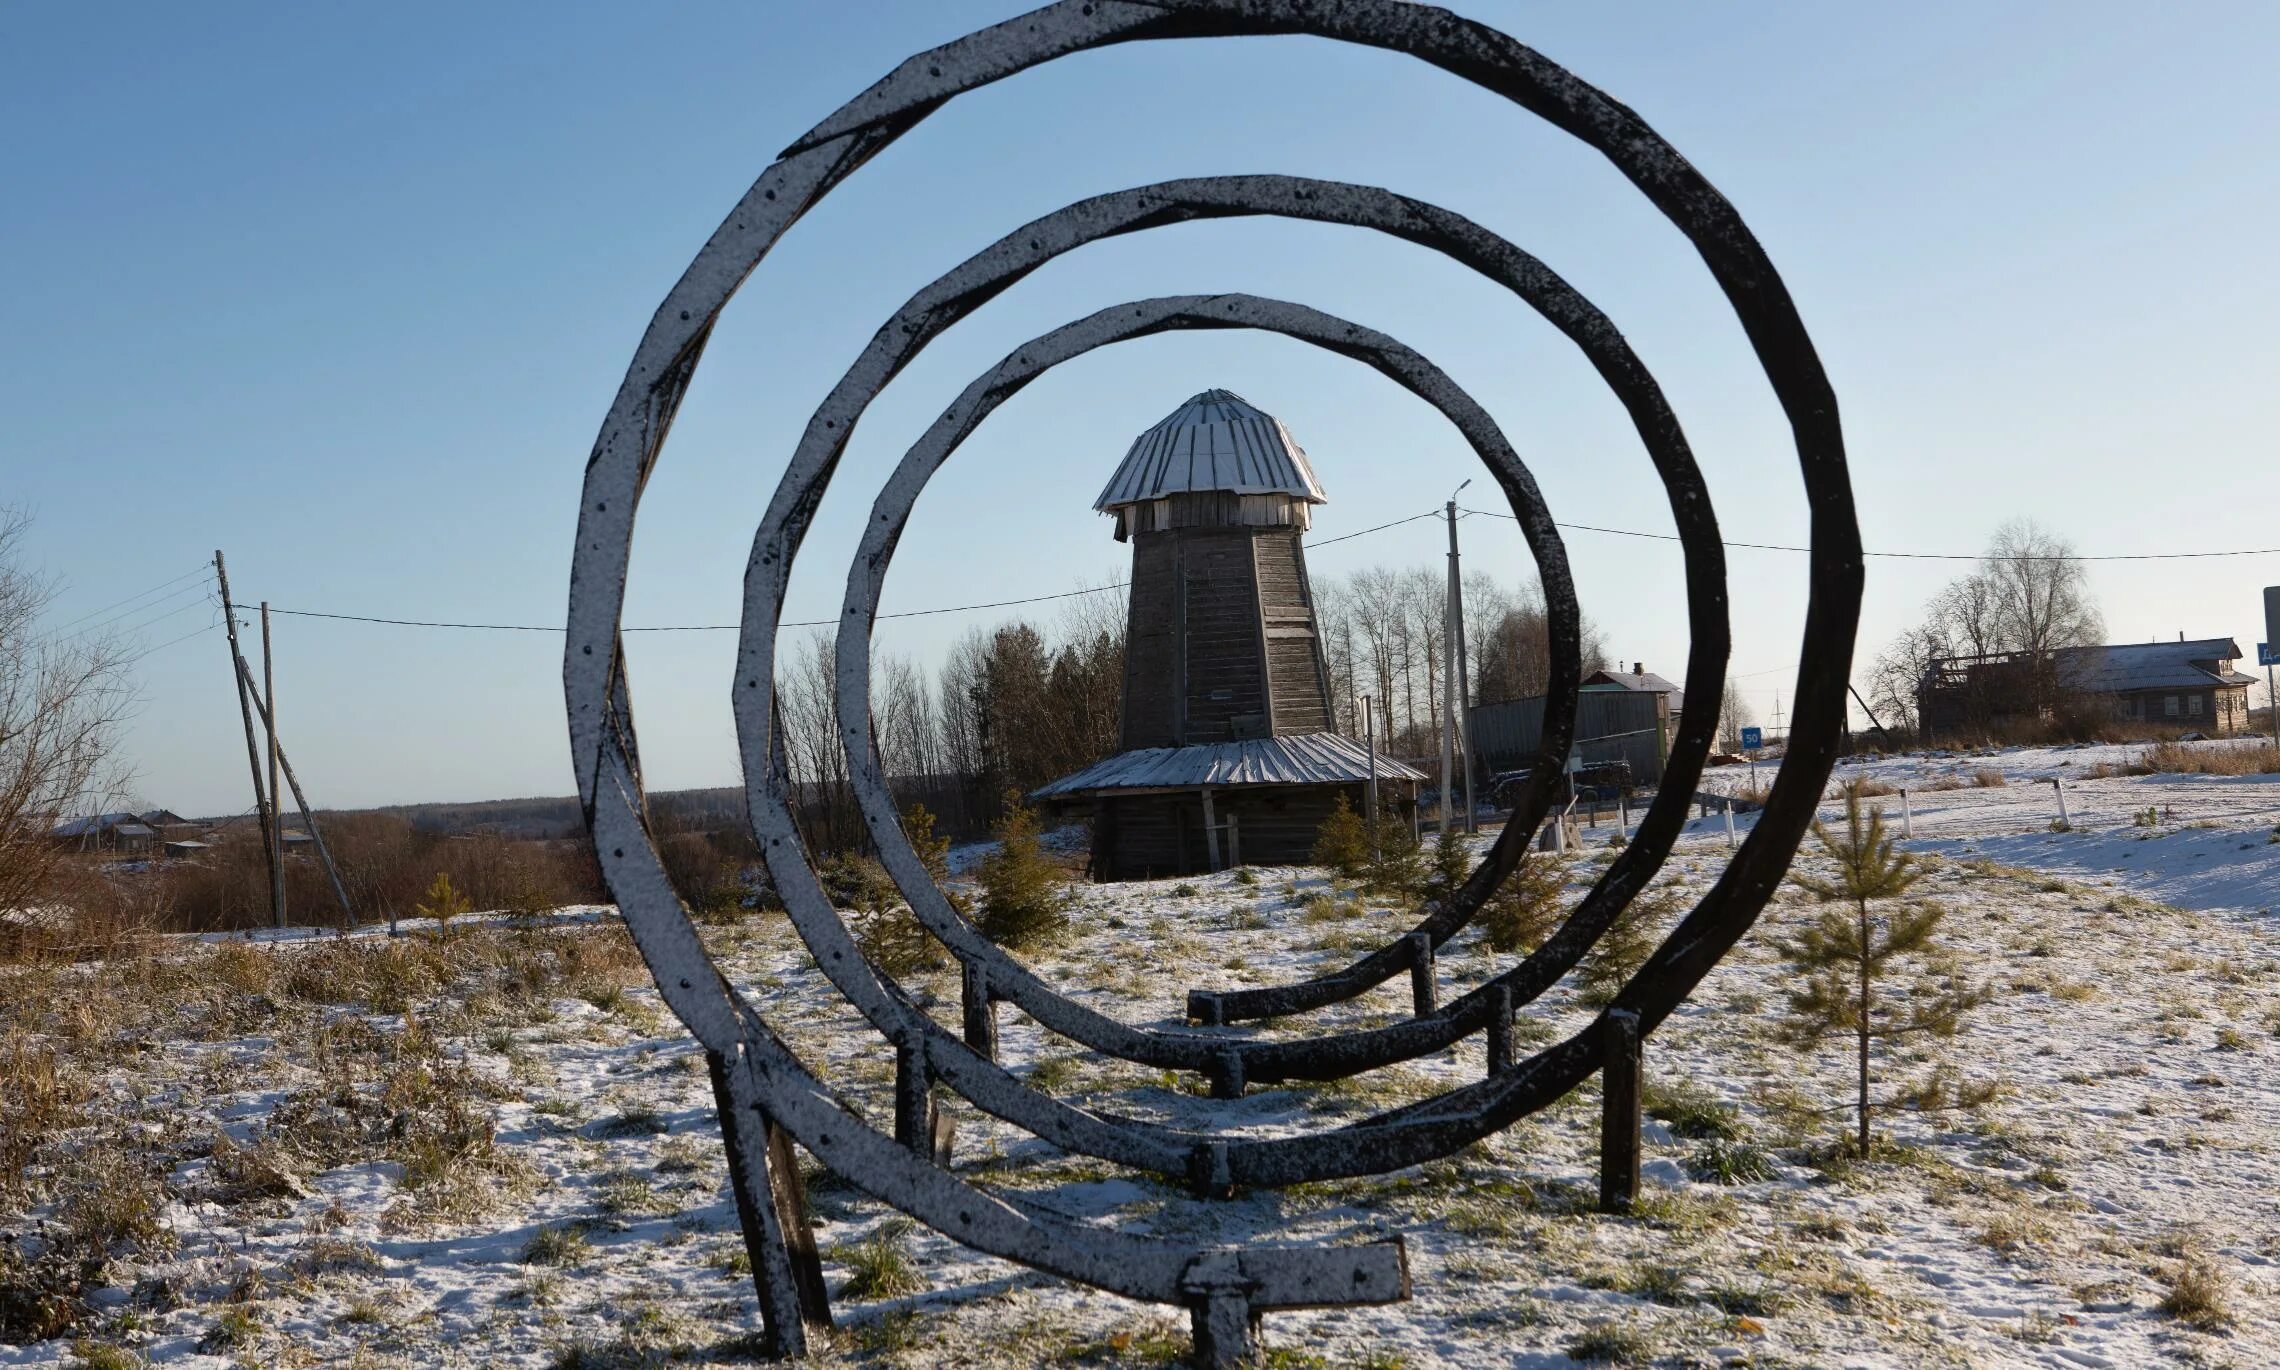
(1215, 441)
(1297, 759)
(2149, 665)
(93, 823)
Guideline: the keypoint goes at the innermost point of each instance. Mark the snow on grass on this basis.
(495, 1148)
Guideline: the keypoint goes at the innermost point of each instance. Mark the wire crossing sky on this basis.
(346, 292)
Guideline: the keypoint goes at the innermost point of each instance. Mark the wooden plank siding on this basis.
(1154, 836)
(1219, 617)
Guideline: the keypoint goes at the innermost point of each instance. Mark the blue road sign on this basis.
(2264, 656)
(1753, 738)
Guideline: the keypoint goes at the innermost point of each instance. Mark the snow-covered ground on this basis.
(2132, 1036)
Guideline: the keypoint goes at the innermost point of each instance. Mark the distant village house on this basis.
(2189, 685)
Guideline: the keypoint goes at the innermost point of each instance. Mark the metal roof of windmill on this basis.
(1290, 759)
(1215, 441)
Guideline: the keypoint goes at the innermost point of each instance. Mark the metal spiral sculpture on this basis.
(770, 1099)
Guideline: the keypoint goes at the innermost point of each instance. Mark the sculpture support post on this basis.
(1619, 1083)
(779, 1239)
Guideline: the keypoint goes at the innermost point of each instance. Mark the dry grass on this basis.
(1988, 778)
(2181, 758)
(2200, 1294)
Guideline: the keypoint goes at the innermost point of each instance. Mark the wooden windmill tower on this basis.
(1229, 749)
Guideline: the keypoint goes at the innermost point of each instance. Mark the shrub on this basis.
(1023, 899)
(1521, 913)
(1988, 778)
(1343, 841)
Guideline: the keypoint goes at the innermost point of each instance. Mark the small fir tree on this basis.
(1342, 843)
(1846, 955)
(1451, 864)
(1522, 911)
(442, 902)
(1625, 946)
(1397, 864)
(1023, 898)
(889, 935)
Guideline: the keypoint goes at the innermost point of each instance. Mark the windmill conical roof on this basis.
(1215, 441)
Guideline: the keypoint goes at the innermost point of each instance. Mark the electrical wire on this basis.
(59, 637)
(1910, 556)
(800, 623)
(202, 568)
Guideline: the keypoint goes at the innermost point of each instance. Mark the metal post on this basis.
(276, 810)
(245, 709)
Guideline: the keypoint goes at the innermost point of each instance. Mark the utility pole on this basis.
(1464, 672)
(276, 809)
(1369, 735)
(1449, 674)
(238, 671)
(301, 799)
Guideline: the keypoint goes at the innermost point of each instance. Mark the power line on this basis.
(196, 632)
(201, 569)
(1909, 556)
(802, 623)
(99, 625)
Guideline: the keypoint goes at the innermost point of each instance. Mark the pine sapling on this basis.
(1846, 955)
(442, 902)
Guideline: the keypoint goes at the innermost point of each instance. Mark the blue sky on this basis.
(346, 291)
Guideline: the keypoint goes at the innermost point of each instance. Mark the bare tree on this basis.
(2042, 599)
(1734, 714)
(62, 700)
(2027, 601)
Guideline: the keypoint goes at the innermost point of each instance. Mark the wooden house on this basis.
(2189, 685)
(1228, 754)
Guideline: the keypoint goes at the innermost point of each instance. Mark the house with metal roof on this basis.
(2190, 685)
(120, 832)
(1230, 753)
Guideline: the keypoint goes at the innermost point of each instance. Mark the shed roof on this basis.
(93, 823)
(2150, 665)
(1295, 759)
(1215, 441)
